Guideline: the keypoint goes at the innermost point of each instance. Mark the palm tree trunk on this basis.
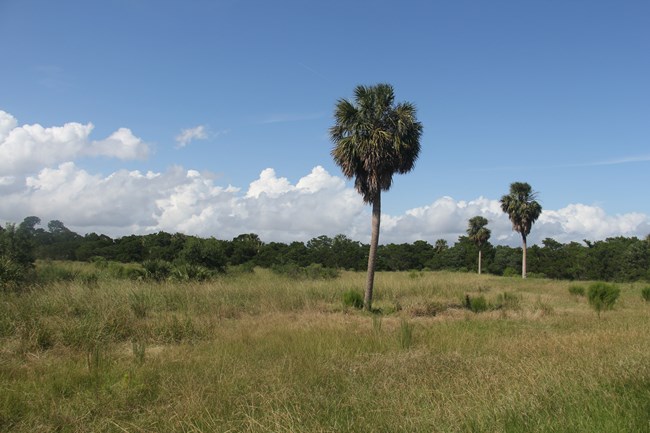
(372, 255)
(523, 259)
(479, 262)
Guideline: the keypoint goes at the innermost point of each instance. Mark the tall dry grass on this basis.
(260, 352)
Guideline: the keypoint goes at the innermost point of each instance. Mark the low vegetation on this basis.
(603, 296)
(182, 257)
(256, 350)
(645, 294)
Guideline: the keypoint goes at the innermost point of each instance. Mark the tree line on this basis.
(612, 259)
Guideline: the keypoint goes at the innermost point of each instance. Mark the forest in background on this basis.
(612, 259)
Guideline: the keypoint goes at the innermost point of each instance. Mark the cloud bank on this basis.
(38, 176)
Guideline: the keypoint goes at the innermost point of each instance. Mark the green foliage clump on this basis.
(576, 290)
(51, 272)
(645, 294)
(508, 301)
(315, 271)
(603, 296)
(353, 298)
(158, 270)
(476, 304)
(12, 275)
(510, 272)
(190, 272)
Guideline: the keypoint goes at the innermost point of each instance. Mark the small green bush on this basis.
(158, 270)
(12, 275)
(603, 296)
(510, 272)
(352, 298)
(576, 290)
(190, 272)
(476, 304)
(99, 262)
(645, 294)
(508, 301)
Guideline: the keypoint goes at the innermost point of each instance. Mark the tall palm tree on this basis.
(523, 210)
(479, 234)
(374, 138)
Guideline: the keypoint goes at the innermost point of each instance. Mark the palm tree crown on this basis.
(373, 138)
(521, 207)
(477, 232)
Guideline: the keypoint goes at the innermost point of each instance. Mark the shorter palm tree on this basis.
(523, 210)
(479, 234)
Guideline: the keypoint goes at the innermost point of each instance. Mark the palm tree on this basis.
(374, 139)
(523, 210)
(479, 234)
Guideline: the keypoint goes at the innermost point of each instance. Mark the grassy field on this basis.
(259, 352)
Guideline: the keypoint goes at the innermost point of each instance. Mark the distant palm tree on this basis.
(479, 234)
(523, 210)
(374, 139)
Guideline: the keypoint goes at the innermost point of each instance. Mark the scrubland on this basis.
(262, 352)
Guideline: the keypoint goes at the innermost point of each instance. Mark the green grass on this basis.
(261, 352)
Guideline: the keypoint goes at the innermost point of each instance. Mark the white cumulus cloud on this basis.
(27, 148)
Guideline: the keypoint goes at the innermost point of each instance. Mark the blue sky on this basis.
(554, 93)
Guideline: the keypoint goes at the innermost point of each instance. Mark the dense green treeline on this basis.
(613, 259)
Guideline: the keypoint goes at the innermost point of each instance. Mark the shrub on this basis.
(11, 274)
(576, 290)
(315, 271)
(190, 272)
(244, 268)
(158, 270)
(99, 262)
(602, 296)
(508, 301)
(510, 272)
(476, 304)
(51, 272)
(290, 269)
(645, 294)
(352, 298)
